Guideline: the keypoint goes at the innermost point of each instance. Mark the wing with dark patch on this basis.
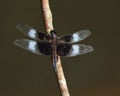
(63, 49)
(31, 32)
(69, 50)
(40, 48)
(75, 37)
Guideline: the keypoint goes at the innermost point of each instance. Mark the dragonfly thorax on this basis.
(53, 36)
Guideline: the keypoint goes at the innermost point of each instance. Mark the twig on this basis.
(47, 16)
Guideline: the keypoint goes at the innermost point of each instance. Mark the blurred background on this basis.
(95, 74)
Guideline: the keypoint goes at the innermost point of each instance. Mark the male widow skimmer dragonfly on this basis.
(53, 45)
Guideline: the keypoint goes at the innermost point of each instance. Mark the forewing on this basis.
(34, 46)
(69, 50)
(75, 37)
(31, 32)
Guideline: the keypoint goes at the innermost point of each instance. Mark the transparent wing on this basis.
(75, 37)
(31, 32)
(34, 46)
(69, 50)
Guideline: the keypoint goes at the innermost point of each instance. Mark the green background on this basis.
(94, 74)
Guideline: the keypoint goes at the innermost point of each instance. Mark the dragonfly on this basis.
(52, 45)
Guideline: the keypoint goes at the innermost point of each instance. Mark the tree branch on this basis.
(47, 16)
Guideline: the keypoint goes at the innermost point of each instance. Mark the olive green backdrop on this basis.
(95, 74)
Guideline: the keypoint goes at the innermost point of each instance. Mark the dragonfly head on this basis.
(53, 34)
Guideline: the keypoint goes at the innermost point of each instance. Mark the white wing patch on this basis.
(75, 37)
(75, 50)
(32, 46)
(32, 33)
